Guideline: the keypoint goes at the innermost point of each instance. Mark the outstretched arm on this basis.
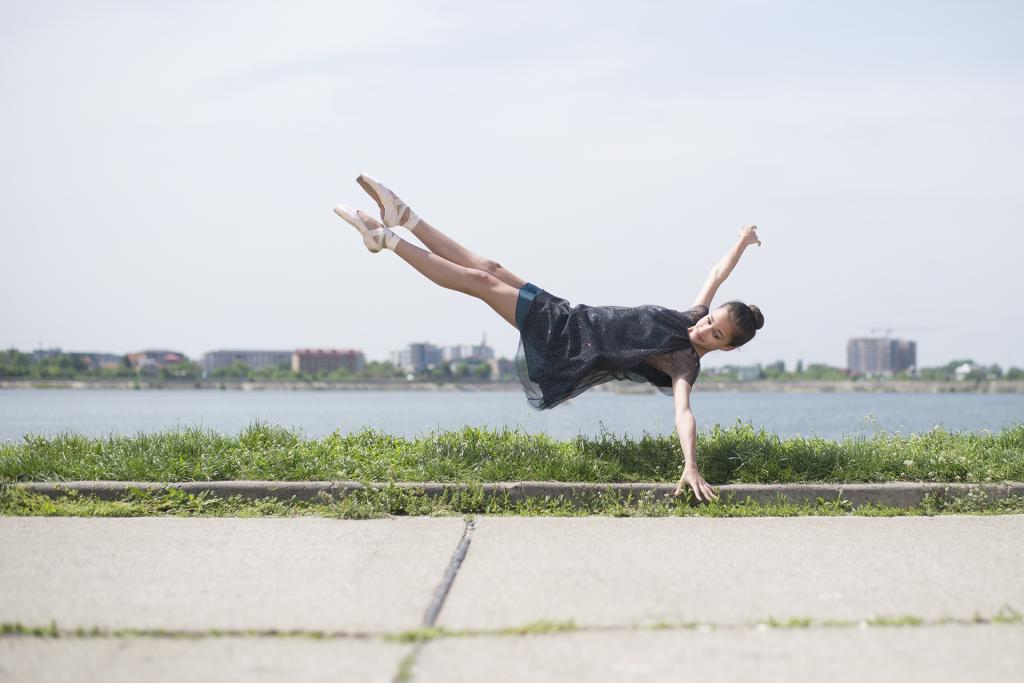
(748, 236)
(686, 427)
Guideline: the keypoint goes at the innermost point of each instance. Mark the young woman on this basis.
(565, 350)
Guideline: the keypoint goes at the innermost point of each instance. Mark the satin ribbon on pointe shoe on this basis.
(391, 205)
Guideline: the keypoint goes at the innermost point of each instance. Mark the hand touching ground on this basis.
(701, 489)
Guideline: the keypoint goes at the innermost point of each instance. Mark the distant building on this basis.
(501, 367)
(743, 373)
(962, 371)
(468, 352)
(748, 373)
(905, 356)
(418, 357)
(40, 354)
(105, 361)
(218, 360)
(152, 360)
(316, 360)
(880, 355)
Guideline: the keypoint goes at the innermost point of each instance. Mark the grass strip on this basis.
(1005, 615)
(391, 500)
(738, 454)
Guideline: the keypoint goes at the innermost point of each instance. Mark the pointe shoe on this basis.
(392, 208)
(375, 238)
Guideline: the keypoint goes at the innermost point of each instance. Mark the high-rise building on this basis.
(904, 355)
(417, 357)
(880, 355)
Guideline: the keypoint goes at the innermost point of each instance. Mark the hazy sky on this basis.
(170, 168)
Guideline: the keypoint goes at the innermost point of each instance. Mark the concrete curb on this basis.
(894, 494)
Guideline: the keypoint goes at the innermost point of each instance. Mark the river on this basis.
(97, 412)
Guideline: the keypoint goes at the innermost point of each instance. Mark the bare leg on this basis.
(394, 211)
(446, 247)
(481, 284)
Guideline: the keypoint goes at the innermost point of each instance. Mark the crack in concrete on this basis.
(441, 592)
(405, 667)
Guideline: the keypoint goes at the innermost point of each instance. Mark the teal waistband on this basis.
(526, 294)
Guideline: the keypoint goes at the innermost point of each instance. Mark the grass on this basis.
(738, 454)
(391, 501)
(1005, 615)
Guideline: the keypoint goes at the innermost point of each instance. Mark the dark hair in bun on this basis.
(745, 321)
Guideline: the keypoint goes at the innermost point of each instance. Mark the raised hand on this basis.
(748, 235)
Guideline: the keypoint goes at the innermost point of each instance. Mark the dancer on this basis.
(563, 349)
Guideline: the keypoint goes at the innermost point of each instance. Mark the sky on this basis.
(170, 169)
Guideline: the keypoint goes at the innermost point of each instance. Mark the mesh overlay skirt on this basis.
(565, 350)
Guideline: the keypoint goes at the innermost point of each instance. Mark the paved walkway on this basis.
(626, 584)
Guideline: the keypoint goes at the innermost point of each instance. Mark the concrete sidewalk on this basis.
(626, 584)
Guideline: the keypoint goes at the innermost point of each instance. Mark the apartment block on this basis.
(880, 355)
(316, 360)
(418, 357)
(218, 360)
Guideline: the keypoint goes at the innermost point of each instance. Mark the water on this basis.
(412, 413)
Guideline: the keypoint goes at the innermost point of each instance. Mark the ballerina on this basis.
(563, 349)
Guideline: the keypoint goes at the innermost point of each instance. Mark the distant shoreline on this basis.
(625, 387)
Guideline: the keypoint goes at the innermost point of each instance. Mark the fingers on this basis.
(702, 491)
(706, 491)
(749, 234)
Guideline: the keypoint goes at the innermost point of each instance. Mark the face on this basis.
(713, 331)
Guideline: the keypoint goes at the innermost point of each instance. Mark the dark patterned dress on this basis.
(565, 350)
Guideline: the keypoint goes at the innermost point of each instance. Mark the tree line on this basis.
(15, 364)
